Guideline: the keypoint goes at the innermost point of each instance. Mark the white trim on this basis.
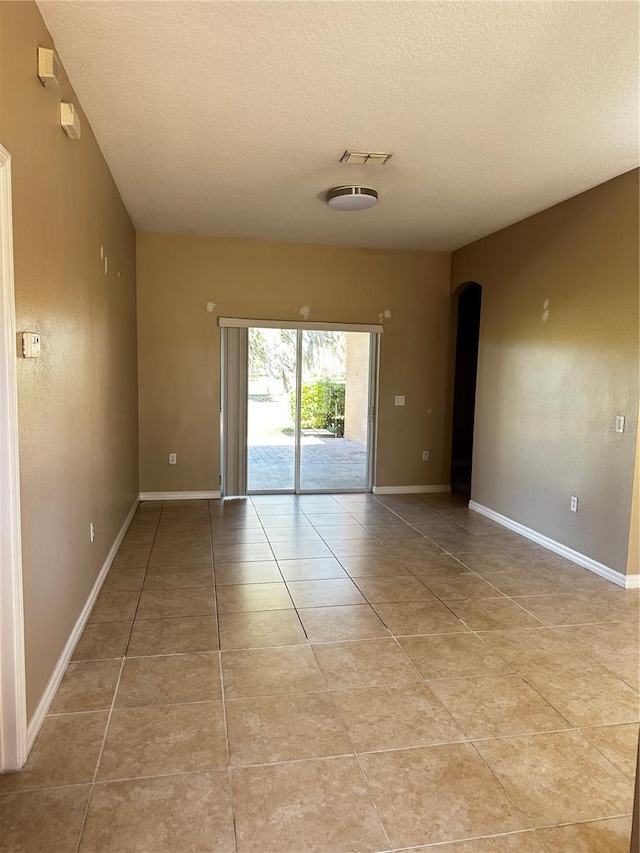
(239, 323)
(372, 409)
(46, 699)
(179, 496)
(373, 450)
(410, 490)
(625, 581)
(13, 703)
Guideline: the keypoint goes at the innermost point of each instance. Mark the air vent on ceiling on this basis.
(364, 158)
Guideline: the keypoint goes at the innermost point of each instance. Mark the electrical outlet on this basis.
(574, 503)
(92, 532)
(173, 458)
(425, 455)
(400, 399)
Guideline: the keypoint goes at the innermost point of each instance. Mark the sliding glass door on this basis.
(335, 411)
(309, 404)
(271, 410)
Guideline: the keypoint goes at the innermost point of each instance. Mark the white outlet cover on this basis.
(400, 400)
(620, 423)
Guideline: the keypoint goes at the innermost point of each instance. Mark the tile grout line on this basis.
(599, 748)
(115, 692)
(499, 781)
(228, 744)
(98, 762)
(293, 604)
(355, 754)
(146, 572)
(215, 607)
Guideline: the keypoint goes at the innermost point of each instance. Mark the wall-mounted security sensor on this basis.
(48, 68)
(30, 345)
(70, 120)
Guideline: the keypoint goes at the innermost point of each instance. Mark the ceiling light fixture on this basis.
(351, 198)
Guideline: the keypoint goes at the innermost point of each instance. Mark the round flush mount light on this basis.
(351, 198)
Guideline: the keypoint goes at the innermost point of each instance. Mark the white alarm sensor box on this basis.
(30, 344)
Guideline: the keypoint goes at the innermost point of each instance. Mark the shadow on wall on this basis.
(469, 297)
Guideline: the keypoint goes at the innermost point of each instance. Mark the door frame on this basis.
(374, 331)
(13, 705)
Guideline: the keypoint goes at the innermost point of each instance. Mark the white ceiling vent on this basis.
(365, 158)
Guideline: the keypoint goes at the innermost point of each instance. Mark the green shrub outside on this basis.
(318, 406)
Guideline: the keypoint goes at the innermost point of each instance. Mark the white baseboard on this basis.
(625, 581)
(46, 699)
(410, 490)
(178, 496)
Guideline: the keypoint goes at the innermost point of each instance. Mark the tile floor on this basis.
(337, 674)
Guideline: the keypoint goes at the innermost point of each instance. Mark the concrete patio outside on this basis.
(326, 463)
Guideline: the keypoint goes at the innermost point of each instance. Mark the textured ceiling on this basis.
(229, 118)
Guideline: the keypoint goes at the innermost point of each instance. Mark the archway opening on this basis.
(464, 393)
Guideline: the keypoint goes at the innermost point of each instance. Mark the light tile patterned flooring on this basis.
(394, 674)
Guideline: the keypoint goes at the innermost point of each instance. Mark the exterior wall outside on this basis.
(356, 403)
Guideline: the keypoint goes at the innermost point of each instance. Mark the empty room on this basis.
(319, 402)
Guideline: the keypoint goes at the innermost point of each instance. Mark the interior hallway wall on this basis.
(558, 361)
(179, 344)
(78, 401)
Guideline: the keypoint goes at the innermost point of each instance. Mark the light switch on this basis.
(30, 344)
(400, 400)
(620, 423)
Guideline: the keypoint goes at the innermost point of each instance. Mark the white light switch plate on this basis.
(400, 400)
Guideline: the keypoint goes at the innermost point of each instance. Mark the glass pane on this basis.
(334, 410)
(271, 410)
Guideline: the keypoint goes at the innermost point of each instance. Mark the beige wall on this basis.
(178, 343)
(356, 402)
(77, 403)
(549, 390)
